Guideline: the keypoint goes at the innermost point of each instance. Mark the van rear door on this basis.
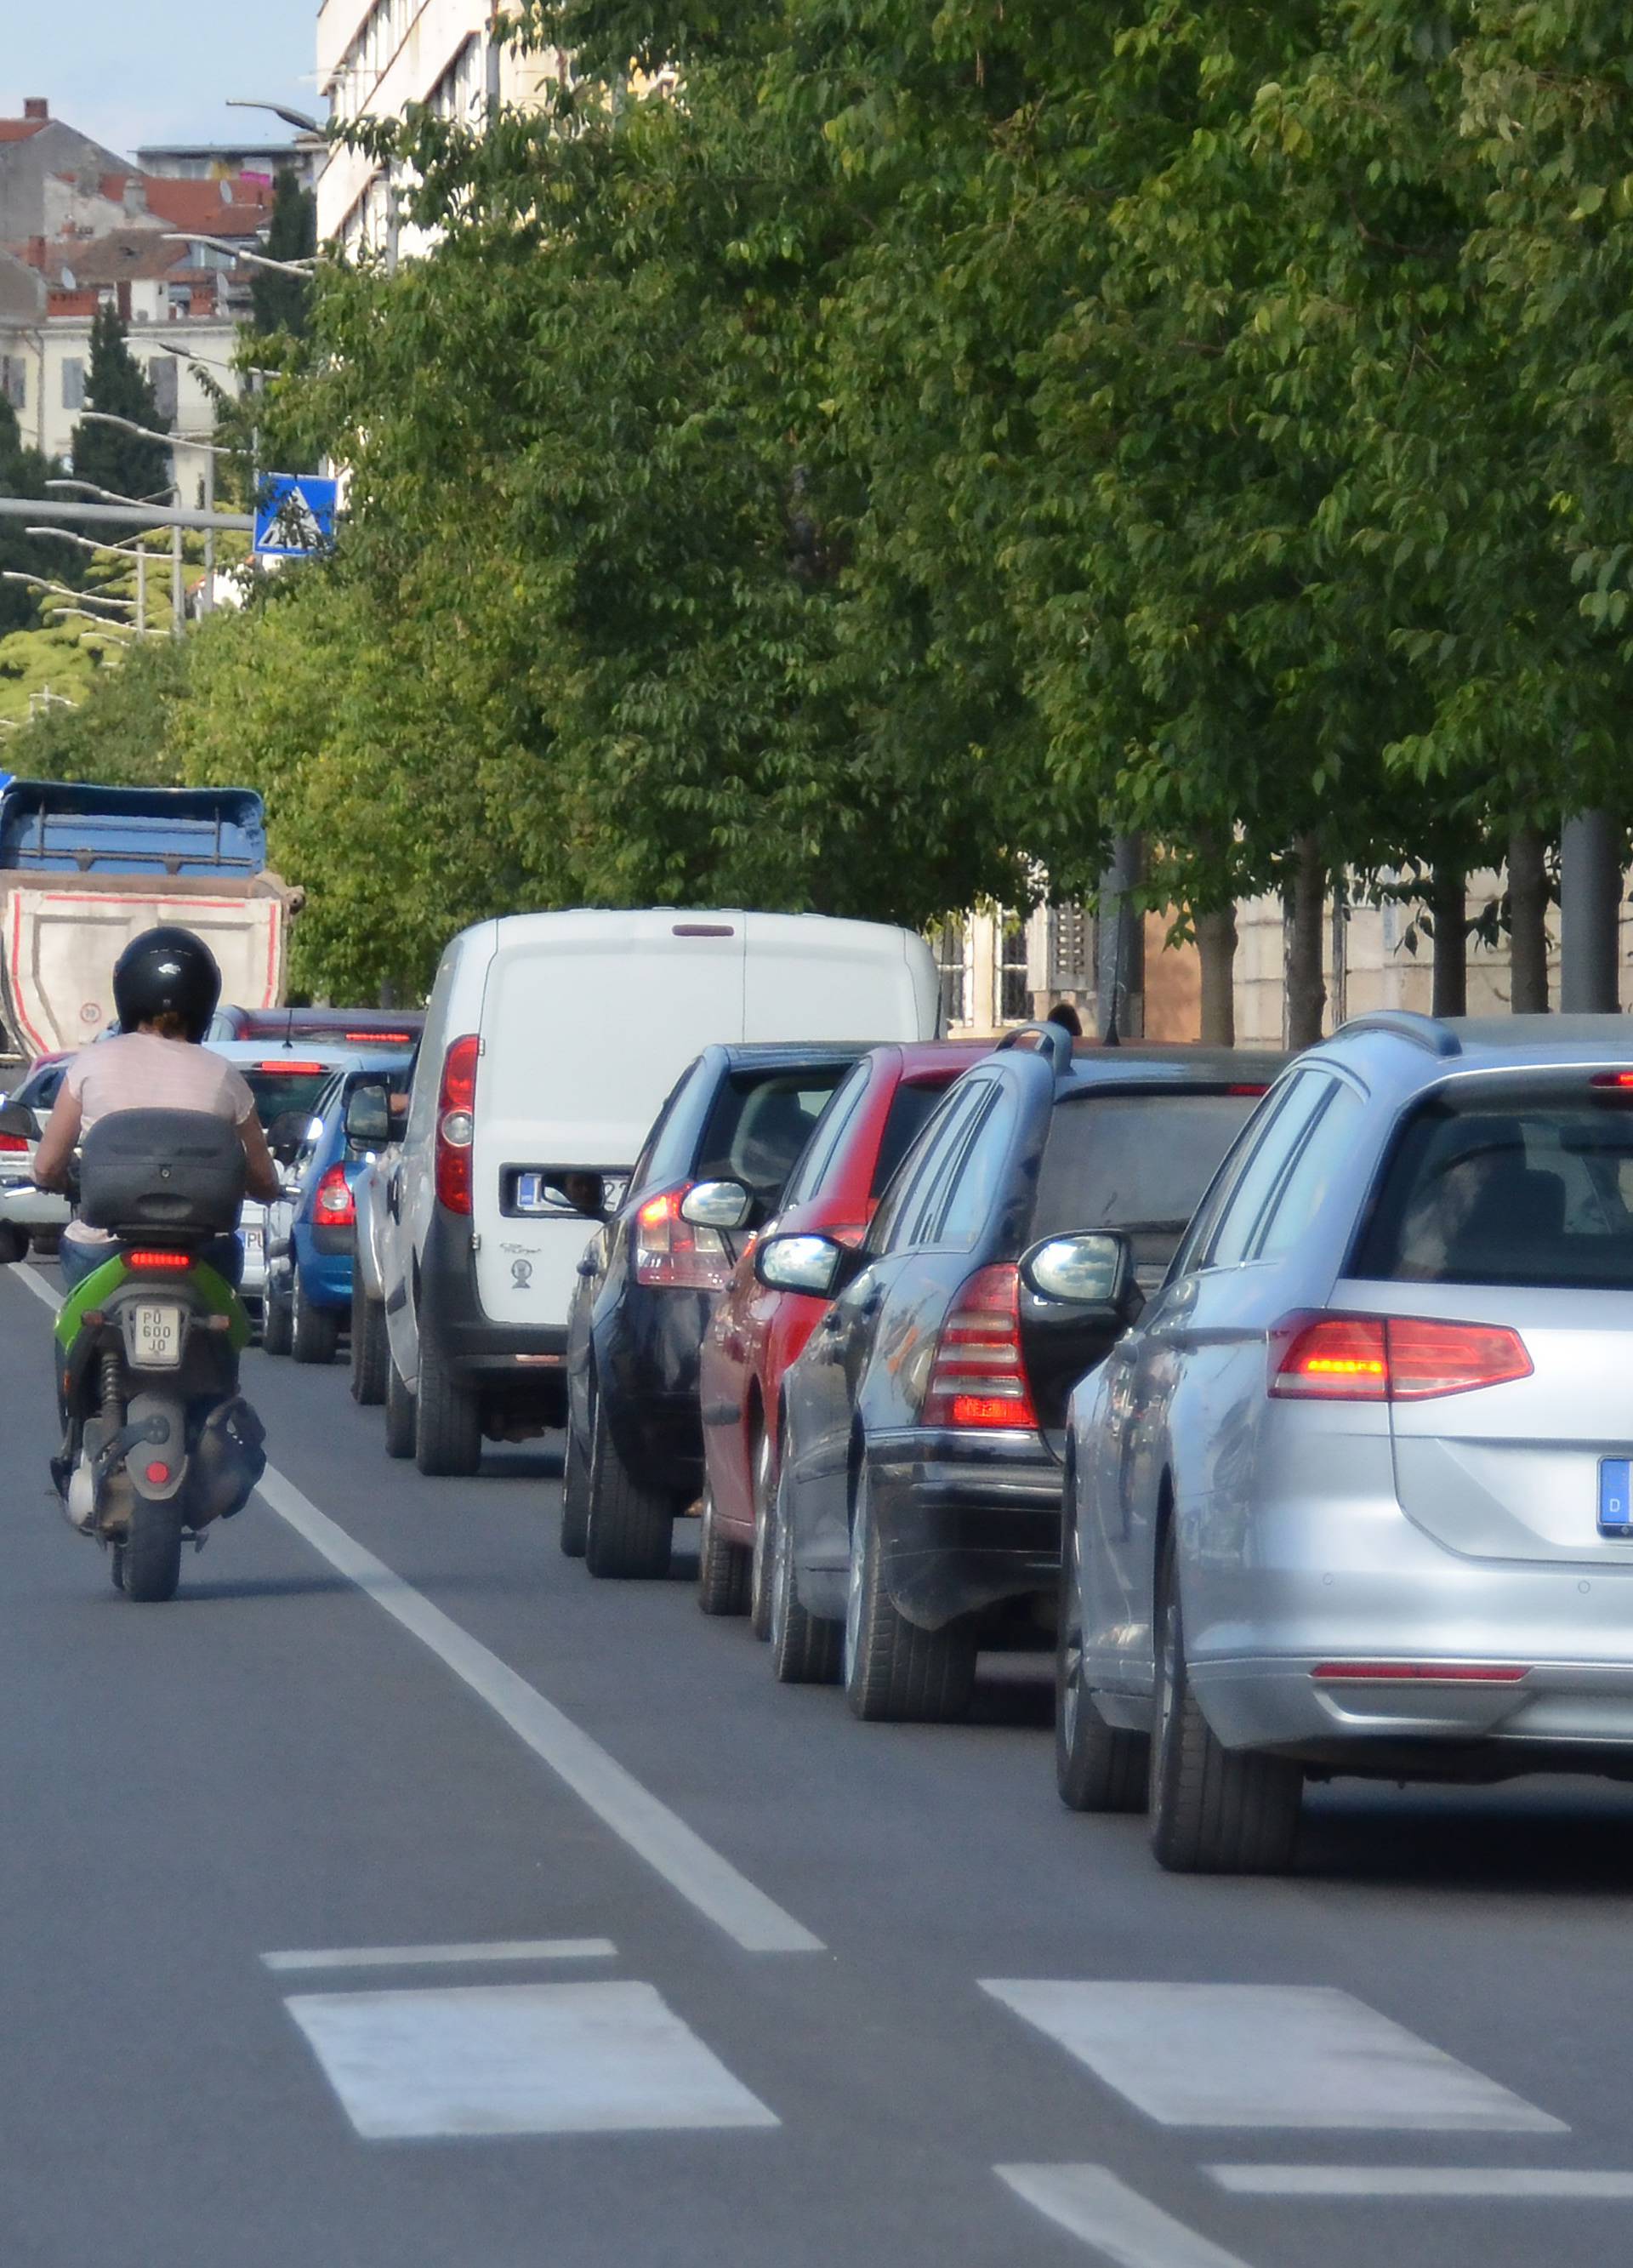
(808, 978)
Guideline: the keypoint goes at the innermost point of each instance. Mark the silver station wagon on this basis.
(1354, 1492)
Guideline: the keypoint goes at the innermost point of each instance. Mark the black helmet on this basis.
(166, 971)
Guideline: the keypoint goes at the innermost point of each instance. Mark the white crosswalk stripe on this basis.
(1122, 2226)
(1265, 2056)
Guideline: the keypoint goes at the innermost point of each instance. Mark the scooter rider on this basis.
(166, 988)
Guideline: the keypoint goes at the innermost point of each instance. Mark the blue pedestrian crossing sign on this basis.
(294, 516)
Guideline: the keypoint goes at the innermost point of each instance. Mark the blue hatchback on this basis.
(309, 1272)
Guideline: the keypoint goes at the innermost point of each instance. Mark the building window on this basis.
(14, 380)
(949, 941)
(1072, 947)
(459, 93)
(1015, 991)
(73, 384)
(162, 374)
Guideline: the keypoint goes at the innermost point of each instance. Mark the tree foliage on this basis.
(114, 385)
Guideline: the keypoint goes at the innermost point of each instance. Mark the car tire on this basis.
(893, 1671)
(1098, 1767)
(398, 1412)
(629, 1534)
(314, 1332)
(45, 1243)
(765, 1519)
(723, 1566)
(278, 1329)
(370, 1347)
(447, 1422)
(13, 1244)
(574, 1491)
(1214, 1810)
(804, 1650)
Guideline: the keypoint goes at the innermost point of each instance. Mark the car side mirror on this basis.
(717, 1204)
(814, 1264)
(368, 1117)
(1087, 1277)
(17, 1120)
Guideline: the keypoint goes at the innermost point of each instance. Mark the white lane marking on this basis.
(1123, 2226)
(519, 2059)
(1496, 2183)
(38, 1285)
(1266, 2055)
(651, 1830)
(446, 1956)
(690, 1865)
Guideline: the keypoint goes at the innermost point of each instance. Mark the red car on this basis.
(757, 1333)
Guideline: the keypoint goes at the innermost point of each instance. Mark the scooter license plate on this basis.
(156, 1335)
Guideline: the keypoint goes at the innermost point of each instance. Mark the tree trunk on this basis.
(1306, 987)
(1216, 949)
(1448, 900)
(1527, 924)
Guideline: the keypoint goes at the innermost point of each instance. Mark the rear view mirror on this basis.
(368, 1117)
(19, 1121)
(800, 1263)
(717, 1204)
(1089, 1275)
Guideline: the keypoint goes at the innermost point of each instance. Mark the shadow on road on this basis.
(1572, 1836)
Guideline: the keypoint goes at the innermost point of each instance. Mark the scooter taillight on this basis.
(160, 1263)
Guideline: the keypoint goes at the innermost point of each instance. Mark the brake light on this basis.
(1391, 1358)
(1620, 1079)
(456, 1124)
(383, 1039)
(283, 1064)
(13, 1143)
(172, 1264)
(1250, 1089)
(332, 1204)
(673, 1255)
(1419, 1673)
(978, 1378)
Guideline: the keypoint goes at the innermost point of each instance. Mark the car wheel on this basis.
(314, 1332)
(1098, 1767)
(765, 1519)
(804, 1650)
(1214, 1810)
(447, 1421)
(574, 1489)
(895, 1671)
(13, 1244)
(275, 1323)
(723, 1566)
(630, 1530)
(398, 1412)
(369, 1344)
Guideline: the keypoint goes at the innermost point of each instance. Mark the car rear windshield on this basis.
(909, 1108)
(1526, 1181)
(1133, 1161)
(276, 1092)
(760, 1121)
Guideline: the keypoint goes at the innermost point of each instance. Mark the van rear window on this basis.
(1134, 1161)
(1525, 1182)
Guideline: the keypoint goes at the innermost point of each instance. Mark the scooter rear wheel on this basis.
(152, 1567)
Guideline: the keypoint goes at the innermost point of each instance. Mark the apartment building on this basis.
(377, 58)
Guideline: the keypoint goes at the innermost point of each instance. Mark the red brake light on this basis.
(383, 1039)
(13, 1143)
(1391, 1358)
(173, 1263)
(332, 1204)
(1419, 1673)
(1622, 1078)
(978, 1377)
(671, 1254)
(283, 1064)
(456, 1124)
(1259, 1089)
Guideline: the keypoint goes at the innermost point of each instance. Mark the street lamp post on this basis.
(170, 441)
(136, 551)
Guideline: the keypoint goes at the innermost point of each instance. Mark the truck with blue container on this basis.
(83, 869)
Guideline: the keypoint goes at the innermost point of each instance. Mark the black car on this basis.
(918, 1509)
(712, 1169)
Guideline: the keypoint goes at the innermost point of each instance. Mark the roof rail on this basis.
(1406, 1024)
(1052, 1040)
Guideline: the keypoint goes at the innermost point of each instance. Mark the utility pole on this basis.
(1120, 975)
(1590, 896)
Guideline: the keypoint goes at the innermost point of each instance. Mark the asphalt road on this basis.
(599, 1949)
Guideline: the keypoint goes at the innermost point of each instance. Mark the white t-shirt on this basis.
(140, 1071)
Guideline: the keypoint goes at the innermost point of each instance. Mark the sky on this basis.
(133, 72)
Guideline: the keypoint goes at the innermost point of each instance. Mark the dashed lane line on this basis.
(1122, 2226)
(696, 1872)
(444, 1956)
(1492, 2184)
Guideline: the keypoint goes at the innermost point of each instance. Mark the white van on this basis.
(549, 1044)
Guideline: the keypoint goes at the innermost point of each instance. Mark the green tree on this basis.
(24, 473)
(116, 386)
(280, 302)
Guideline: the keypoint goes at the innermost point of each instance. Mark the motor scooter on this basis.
(158, 1441)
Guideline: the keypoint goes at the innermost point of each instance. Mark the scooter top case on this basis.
(160, 1175)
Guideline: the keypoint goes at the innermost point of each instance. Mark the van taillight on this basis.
(978, 1378)
(673, 1255)
(456, 1124)
(1390, 1357)
(331, 1204)
(9, 1143)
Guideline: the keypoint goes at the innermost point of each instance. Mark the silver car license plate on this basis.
(255, 1239)
(156, 1335)
(1615, 1497)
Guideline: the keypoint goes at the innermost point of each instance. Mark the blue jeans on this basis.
(223, 1253)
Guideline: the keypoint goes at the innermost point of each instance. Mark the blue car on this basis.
(309, 1268)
